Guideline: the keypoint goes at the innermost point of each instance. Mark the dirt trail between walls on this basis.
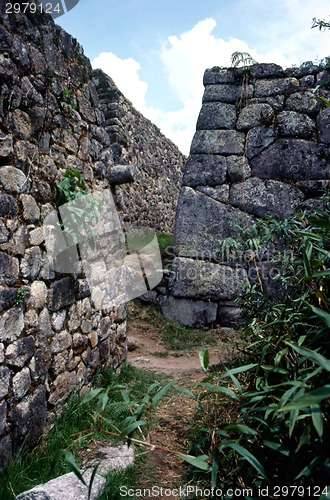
(147, 350)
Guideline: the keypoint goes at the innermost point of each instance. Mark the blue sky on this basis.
(157, 50)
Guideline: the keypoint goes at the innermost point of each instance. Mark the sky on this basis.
(156, 51)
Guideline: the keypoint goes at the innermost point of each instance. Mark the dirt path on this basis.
(148, 351)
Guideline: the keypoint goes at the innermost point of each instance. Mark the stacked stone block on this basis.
(262, 147)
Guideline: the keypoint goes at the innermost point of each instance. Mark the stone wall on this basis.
(151, 201)
(262, 146)
(52, 337)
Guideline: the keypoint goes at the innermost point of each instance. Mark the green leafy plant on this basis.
(20, 296)
(242, 59)
(66, 100)
(270, 423)
(322, 24)
(69, 190)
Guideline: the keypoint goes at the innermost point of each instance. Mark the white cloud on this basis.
(125, 74)
(186, 56)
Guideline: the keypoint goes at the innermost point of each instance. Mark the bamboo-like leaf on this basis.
(204, 358)
(308, 469)
(308, 399)
(215, 467)
(250, 458)
(185, 391)
(323, 315)
(311, 355)
(161, 392)
(73, 465)
(198, 462)
(217, 388)
(129, 429)
(240, 369)
(292, 421)
(241, 428)
(317, 419)
(277, 447)
(91, 395)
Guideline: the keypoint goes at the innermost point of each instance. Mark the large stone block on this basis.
(216, 115)
(293, 159)
(13, 180)
(7, 297)
(11, 325)
(217, 75)
(255, 115)
(20, 351)
(8, 205)
(323, 125)
(271, 197)
(28, 419)
(6, 147)
(226, 93)
(223, 142)
(63, 386)
(291, 123)
(31, 211)
(204, 170)
(9, 269)
(21, 383)
(206, 280)
(62, 293)
(201, 222)
(191, 313)
(258, 139)
(4, 381)
(276, 86)
(303, 102)
(266, 70)
(31, 263)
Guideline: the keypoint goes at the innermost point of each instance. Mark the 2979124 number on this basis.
(27, 7)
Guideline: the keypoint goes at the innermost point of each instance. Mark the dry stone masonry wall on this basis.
(52, 337)
(151, 200)
(262, 146)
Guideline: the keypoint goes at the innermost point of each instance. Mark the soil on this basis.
(174, 413)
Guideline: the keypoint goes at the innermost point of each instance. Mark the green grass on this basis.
(46, 461)
(181, 338)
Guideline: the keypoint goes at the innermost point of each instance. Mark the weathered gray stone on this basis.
(121, 174)
(61, 342)
(258, 139)
(28, 419)
(292, 159)
(229, 315)
(36, 236)
(255, 115)
(67, 487)
(47, 168)
(266, 70)
(226, 93)
(9, 269)
(219, 193)
(197, 279)
(2, 352)
(217, 75)
(191, 313)
(3, 416)
(7, 297)
(31, 263)
(291, 123)
(18, 242)
(22, 127)
(303, 102)
(31, 319)
(62, 293)
(6, 147)
(193, 238)
(21, 383)
(216, 115)
(59, 363)
(4, 381)
(205, 169)
(224, 142)
(8, 205)
(91, 358)
(58, 320)
(40, 364)
(38, 294)
(62, 387)
(25, 153)
(238, 168)
(11, 325)
(4, 234)
(323, 125)
(18, 353)
(31, 211)
(276, 86)
(271, 197)
(20, 52)
(44, 323)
